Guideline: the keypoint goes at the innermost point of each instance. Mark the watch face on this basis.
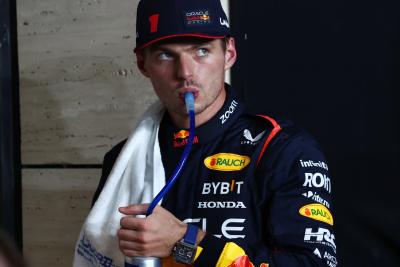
(184, 253)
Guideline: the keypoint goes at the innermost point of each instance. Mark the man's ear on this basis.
(140, 60)
(230, 53)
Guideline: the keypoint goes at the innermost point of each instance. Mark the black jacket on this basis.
(261, 184)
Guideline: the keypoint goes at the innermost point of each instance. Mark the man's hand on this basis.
(153, 236)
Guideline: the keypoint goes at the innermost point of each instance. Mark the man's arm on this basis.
(297, 222)
(155, 235)
(297, 218)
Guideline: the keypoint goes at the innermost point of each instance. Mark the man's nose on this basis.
(185, 67)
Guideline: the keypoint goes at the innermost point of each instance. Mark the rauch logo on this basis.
(317, 212)
(226, 162)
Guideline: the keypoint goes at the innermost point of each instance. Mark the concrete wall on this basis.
(80, 91)
(80, 94)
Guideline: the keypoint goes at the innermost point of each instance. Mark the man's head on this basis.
(183, 45)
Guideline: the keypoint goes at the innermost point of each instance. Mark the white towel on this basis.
(137, 176)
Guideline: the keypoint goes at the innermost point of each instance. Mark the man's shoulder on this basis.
(111, 156)
(294, 135)
(108, 162)
(284, 135)
(286, 128)
(115, 150)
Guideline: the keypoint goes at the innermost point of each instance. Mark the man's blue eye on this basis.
(202, 52)
(164, 56)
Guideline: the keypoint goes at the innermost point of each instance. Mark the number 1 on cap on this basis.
(154, 22)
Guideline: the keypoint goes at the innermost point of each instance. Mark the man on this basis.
(253, 190)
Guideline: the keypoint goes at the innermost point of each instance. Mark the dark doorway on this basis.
(10, 161)
(333, 68)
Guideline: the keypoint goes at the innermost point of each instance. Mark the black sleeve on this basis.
(298, 212)
(108, 162)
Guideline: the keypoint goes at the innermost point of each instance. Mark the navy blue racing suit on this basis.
(260, 185)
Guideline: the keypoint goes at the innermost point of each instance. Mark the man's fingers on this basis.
(128, 245)
(133, 223)
(136, 209)
(129, 253)
(132, 236)
(131, 244)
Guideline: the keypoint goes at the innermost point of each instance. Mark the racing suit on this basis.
(259, 188)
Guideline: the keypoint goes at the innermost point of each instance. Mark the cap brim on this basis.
(207, 36)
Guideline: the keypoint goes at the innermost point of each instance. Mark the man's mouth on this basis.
(184, 91)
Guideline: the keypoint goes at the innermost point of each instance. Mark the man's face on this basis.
(188, 64)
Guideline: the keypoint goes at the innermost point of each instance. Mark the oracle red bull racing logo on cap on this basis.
(227, 162)
(181, 138)
(198, 17)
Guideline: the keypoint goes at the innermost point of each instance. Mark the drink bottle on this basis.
(143, 262)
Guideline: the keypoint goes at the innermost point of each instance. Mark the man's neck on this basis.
(202, 117)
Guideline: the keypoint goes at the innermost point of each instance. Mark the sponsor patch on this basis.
(311, 163)
(317, 212)
(231, 228)
(182, 134)
(330, 260)
(181, 138)
(220, 205)
(227, 113)
(222, 188)
(249, 140)
(197, 18)
(89, 252)
(317, 180)
(314, 196)
(227, 162)
(322, 236)
(224, 22)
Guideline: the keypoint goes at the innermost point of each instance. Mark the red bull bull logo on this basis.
(182, 134)
(205, 17)
(181, 138)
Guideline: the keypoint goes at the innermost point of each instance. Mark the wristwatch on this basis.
(185, 250)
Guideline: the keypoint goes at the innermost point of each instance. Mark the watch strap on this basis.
(190, 236)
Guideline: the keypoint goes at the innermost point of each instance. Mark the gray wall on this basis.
(80, 94)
